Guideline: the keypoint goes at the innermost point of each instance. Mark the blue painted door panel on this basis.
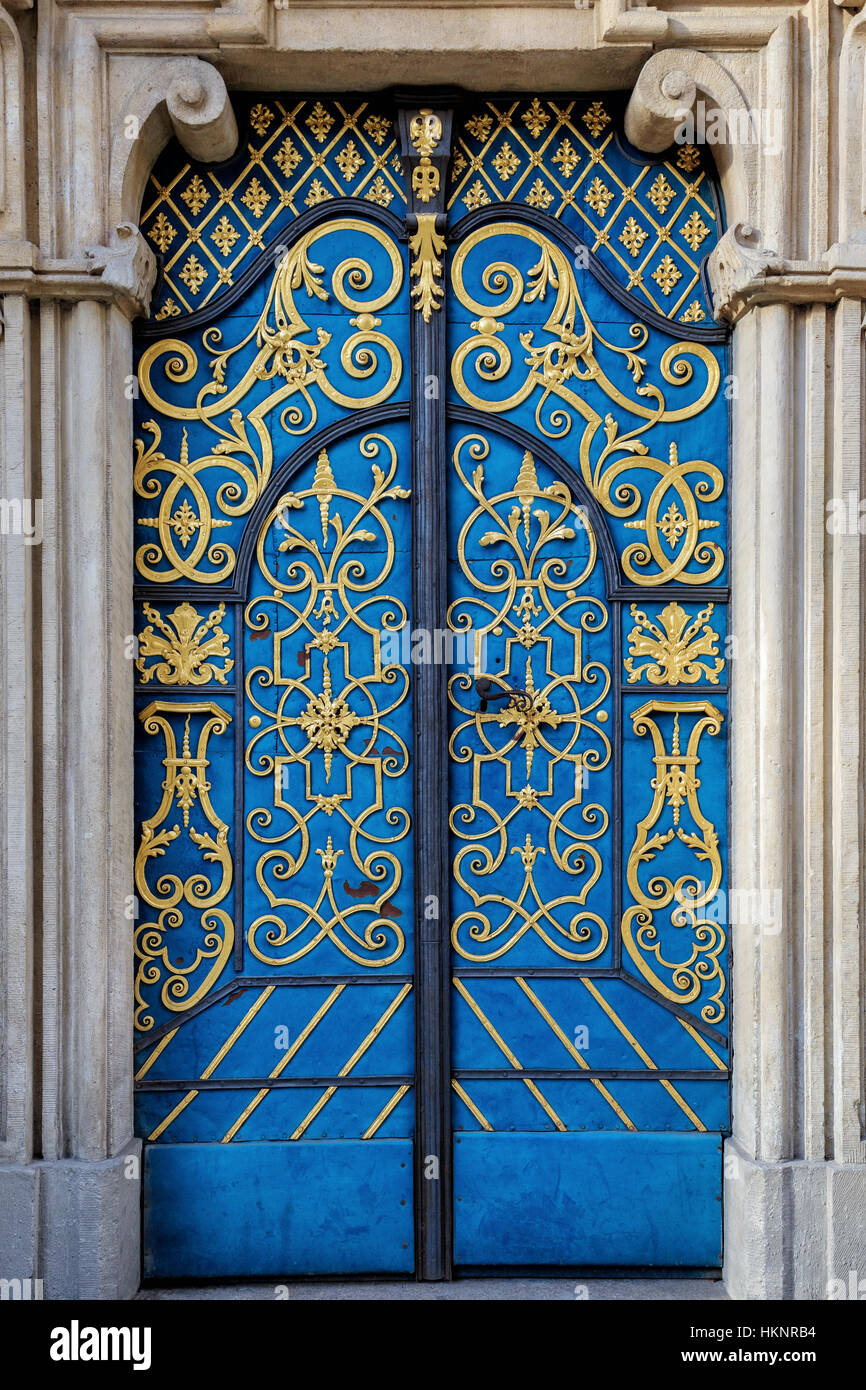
(278, 1209)
(575, 1199)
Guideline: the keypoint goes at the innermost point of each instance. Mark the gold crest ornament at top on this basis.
(425, 132)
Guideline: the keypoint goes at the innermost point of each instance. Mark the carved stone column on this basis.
(71, 281)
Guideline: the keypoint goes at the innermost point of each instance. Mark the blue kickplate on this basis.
(297, 1208)
(588, 1199)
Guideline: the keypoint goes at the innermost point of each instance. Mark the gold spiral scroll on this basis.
(296, 368)
(561, 368)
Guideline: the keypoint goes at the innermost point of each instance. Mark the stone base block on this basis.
(74, 1225)
(795, 1229)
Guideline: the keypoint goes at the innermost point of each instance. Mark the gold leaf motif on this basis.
(688, 158)
(477, 197)
(539, 196)
(187, 655)
(319, 122)
(193, 274)
(479, 127)
(225, 235)
(378, 128)
(666, 275)
(633, 236)
(535, 118)
(162, 233)
(599, 196)
(349, 161)
(287, 158)
(506, 162)
(694, 231)
(260, 118)
(318, 194)
(427, 247)
(379, 192)
(674, 650)
(595, 119)
(195, 195)
(694, 313)
(256, 198)
(661, 193)
(458, 163)
(567, 157)
(169, 310)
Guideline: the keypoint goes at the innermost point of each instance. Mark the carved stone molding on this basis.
(200, 110)
(669, 84)
(128, 266)
(737, 267)
(182, 96)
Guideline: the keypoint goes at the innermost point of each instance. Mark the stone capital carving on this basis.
(666, 91)
(737, 267)
(128, 266)
(200, 111)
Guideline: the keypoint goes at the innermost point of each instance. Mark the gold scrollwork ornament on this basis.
(676, 785)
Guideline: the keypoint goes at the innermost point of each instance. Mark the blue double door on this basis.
(431, 715)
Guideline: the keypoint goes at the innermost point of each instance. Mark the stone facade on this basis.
(89, 94)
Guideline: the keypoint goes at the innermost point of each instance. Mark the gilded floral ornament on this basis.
(188, 649)
(675, 650)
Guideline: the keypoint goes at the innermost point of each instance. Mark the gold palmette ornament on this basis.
(324, 488)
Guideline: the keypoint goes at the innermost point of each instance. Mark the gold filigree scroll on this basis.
(697, 966)
(276, 352)
(674, 650)
(561, 368)
(184, 788)
(542, 744)
(329, 726)
(186, 654)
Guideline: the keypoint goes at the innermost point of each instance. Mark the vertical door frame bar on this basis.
(425, 138)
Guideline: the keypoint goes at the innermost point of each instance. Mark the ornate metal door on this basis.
(431, 791)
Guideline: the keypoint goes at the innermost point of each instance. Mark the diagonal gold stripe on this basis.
(283, 1063)
(172, 1115)
(160, 1047)
(503, 1047)
(355, 1057)
(385, 1111)
(569, 1045)
(701, 1042)
(643, 1054)
(470, 1105)
(215, 1061)
(233, 1037)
